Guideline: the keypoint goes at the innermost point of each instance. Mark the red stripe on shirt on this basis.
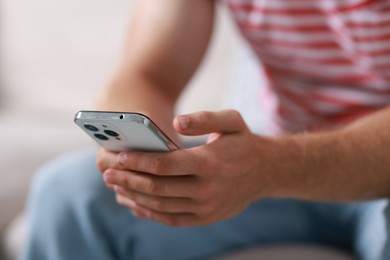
(295, 72)
(305, 50)
(296, 11)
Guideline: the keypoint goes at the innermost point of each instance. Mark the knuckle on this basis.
(133, 162)
(159, 205)
(235, 115)
(126, 181)
(158, 166)
(119, 178)
(152, 187)
(205, 116)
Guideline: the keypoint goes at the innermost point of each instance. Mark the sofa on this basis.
(54, 58)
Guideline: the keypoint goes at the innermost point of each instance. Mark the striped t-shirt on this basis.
(327, 61)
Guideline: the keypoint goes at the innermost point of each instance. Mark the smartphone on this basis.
(124, 131)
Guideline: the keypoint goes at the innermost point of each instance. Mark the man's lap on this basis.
(265, 222)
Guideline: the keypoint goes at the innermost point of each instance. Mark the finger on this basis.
(110, 186)
(135, 214)
(181, 162)
(201, 123)
(172, 186)
(170, 219)
(105, 160)
(157, 203)
(125, 201)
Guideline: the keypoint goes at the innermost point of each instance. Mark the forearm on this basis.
(137, 94)
(165, 45)
(351, 163)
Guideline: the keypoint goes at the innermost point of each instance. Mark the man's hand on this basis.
(196, 186)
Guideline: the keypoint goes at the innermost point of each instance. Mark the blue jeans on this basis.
(72, 215)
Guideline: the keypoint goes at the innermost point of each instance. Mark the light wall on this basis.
(57, 54)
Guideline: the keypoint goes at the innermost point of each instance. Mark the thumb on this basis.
(201, 123)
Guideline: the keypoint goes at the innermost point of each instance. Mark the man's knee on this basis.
(64, 183)
(66, 204)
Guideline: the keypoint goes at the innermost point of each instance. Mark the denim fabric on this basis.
(72, 215)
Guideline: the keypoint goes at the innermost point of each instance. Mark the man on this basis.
(326, 63)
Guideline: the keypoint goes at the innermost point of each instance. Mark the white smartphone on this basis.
(124, 131)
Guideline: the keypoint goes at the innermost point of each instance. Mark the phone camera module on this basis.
(111, 133)
(121, 116)
(91, 128)
(101, 137)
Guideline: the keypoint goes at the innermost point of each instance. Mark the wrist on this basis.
(282, 165)
(308, 166)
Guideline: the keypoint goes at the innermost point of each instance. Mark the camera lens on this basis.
(111, 133)
(101, 137)
(91, 128)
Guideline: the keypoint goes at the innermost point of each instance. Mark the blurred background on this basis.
(55, 55)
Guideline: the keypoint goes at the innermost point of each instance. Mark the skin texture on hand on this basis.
(216, 181)
(190, 187)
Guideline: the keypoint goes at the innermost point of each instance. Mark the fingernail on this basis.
(122, 158)
(109, 177)
(184, 122)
